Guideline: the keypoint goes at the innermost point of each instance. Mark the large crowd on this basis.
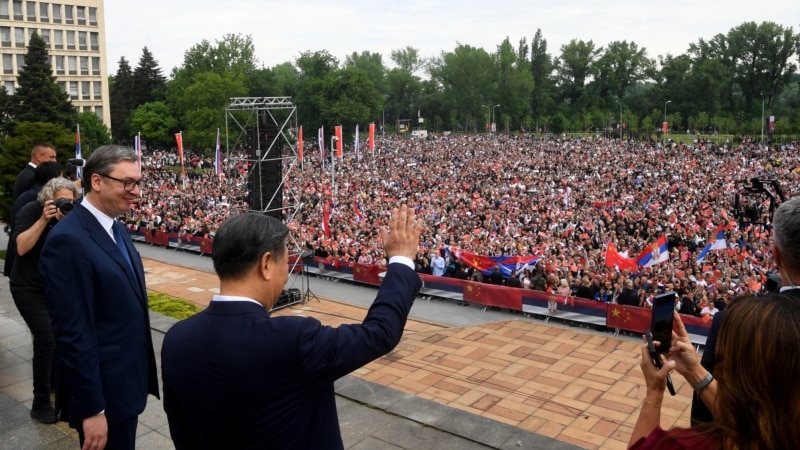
(561, 199)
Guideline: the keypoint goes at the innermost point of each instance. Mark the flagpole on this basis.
(333, 166)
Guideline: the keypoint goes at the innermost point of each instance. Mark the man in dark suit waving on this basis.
(95, 290)
(234, 377)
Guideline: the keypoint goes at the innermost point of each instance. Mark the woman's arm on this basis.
(656, 381)
(30, 234)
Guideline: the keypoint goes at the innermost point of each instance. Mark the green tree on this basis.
(574, 67)
(38, 98)
(514, 83)
(621, 66)
(121, 99)
(314, 69)
(204, 103)
(372, 65)
(156, 123)
(94, 132)
(467, 77)
(541, 69)
(148, 81)
(16, 153)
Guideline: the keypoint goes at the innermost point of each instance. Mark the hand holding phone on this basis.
(656, 358)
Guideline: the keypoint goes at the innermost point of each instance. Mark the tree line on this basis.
(720, 85)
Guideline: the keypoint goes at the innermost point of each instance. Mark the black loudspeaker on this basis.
(264, 184)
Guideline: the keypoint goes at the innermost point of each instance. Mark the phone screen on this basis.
(661, 322)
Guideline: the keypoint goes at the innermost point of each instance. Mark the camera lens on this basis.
(64, 205)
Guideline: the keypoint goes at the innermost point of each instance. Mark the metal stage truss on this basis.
(264, 131)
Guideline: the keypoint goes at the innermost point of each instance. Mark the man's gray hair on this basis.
(103, 159)
(786, 226)
(56, 184)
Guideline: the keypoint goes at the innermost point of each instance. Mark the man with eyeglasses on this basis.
(95, 290)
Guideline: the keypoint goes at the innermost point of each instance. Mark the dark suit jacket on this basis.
(234, 377)
(100, 320)
(24, 180)
(700, 412)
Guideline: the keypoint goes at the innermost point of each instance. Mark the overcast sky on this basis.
(281, 30)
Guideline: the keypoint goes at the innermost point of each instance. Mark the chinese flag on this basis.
(631, 318)
(371, 139)
(615, 260)
(339, 141)
(300, 143)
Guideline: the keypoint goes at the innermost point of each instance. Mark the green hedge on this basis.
(170, 306)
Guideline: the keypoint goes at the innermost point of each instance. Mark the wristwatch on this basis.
(702, 384)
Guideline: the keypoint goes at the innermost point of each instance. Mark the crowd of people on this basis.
(561, 199)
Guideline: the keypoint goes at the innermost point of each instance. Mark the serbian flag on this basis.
(217, 158)
(326, 219)
(719, 243)
(357, 159)
(137, 146)
(300, 143)
(615, 260)
(338, 131)
(78, 170)
(321, 141)
(371, 138)
(655, 253)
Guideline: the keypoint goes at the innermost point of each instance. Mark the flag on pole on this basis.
(338, 130)
(217, 158)
(771, 124)
(78, 170)
(371, 138)
(179, 140)
(357, 159)
(321, 141)
(137, 146)
(326, 218)
(655, 253)
(300, 143)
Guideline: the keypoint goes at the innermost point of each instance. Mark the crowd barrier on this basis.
(618, 317)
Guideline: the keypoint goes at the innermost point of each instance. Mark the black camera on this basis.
(64, 205)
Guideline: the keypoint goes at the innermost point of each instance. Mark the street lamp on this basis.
(619, 125)
(493, 125)
(762, 118)
(665, 116)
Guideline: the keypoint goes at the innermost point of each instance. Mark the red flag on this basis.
(631, 318)
(493, 295)
(326, 218)
(357, 211)
(300, 143)
(339, 141)
(179, 140)
(615, 260)
(371, 140)
(479, 262)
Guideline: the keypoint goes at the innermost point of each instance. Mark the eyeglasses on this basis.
(128, 185)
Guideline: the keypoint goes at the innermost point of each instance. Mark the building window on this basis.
(5, 36)
(81, 10)
(63, 86)
(73, 90)
(95, 65)
(56, 13)
(68, 19)
(19, 37)
(98, 90)
(93, 16)
(84, 65)
(9, 85)
(94, 41)
(17, 9)
(8, 63)
(99, 111)
(59, 64)
(82, 40)
(30, 9)
(86, 93)
(58, 38)
(72, 64)
(4, 9)
(20, 62)
(44, 14)
(30, 33)
(46, 37)
(70, 40)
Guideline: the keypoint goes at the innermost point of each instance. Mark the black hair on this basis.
(241, 240)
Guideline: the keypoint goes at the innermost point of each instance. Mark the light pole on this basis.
(333, 164)
(619, 125)
(492, 126)
(665, 118)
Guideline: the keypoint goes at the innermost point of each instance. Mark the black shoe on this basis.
(465, 304)
(44, 413)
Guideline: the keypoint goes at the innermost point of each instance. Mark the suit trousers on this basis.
(32, 306)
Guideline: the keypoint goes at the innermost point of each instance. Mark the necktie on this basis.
(121, 245)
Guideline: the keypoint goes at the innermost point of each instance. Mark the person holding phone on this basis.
(754, 405)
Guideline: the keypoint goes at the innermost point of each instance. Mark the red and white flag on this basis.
(300, 143)
(371, 139)
(338, 130)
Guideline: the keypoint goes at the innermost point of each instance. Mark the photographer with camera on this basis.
(31, 227)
